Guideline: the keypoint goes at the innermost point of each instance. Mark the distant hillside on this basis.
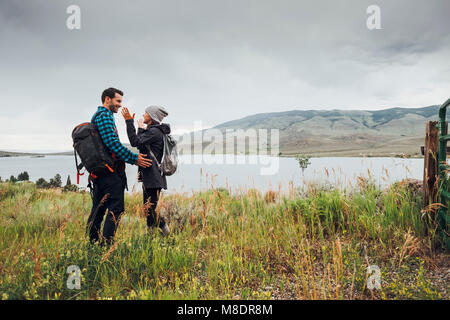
(385, 132)
(65, 153)
(4, 154)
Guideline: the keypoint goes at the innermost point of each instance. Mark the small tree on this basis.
(56, 181)
(13, 179)
(23, 176)
(42, 183)
(303, 162)
(68, 183)
(69, 186)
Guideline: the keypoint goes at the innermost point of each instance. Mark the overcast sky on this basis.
(212, 60)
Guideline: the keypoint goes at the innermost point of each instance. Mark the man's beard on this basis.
(114, 108)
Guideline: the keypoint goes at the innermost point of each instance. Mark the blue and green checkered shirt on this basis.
(107, 128)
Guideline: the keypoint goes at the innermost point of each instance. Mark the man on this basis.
(108, 189)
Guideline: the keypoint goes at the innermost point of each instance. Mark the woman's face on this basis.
(147, 119)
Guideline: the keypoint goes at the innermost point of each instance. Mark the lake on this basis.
(237, 172)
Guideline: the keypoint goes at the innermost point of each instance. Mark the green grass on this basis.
(316, 245)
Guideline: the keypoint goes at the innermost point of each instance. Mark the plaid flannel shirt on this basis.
(108, 131)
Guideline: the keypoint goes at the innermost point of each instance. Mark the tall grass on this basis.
(247, 245)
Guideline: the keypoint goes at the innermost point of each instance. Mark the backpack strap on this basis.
(164, 150)
(164, 136)
(154, 157)
(112, 153)
(78, 166)
(94, 117)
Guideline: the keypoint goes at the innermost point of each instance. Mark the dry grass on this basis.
(316, 244)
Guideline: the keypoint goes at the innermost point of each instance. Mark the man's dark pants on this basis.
(108, 193)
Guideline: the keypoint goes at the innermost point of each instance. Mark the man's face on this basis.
(115, 103)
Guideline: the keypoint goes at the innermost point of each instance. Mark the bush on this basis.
(56, 181)
(303, 161)
(13, 179)
(23, 176)
(70, 187)
(42, 183)
(53, 183)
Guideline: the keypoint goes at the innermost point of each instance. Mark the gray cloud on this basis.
(213, 60)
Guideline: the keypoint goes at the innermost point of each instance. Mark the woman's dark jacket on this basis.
(152, 137)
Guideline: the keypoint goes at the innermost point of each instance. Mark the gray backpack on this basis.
(169, 160)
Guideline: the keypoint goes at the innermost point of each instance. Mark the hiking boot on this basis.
(165, 230)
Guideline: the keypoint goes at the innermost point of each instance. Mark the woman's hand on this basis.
(141, 124)
(126, 114)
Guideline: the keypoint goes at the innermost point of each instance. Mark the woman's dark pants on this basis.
(151, 196)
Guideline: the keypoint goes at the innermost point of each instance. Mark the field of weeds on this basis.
(316, 244)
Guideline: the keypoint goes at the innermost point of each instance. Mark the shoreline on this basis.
(290, 155)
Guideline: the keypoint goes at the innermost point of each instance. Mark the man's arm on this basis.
(106, 128)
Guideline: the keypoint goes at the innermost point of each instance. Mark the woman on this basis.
(150, 137)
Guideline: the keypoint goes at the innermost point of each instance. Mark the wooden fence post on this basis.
(430, 169)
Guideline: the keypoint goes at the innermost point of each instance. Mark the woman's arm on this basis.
(136, 140)
(131, 132)
(143, 138)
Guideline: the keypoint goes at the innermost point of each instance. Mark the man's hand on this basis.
(143, 161)
(141, 124)
(126, 114)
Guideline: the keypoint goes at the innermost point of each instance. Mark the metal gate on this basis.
(443, 168)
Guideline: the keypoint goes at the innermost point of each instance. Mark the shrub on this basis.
(303, 161)
(70, 187)
(56, 181)
(23, 176)
(42, 183)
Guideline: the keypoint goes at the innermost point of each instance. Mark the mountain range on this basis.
(387, 132)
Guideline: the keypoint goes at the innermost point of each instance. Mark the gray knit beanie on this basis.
(157, 113)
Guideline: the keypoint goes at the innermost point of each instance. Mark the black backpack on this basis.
(94, 155)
